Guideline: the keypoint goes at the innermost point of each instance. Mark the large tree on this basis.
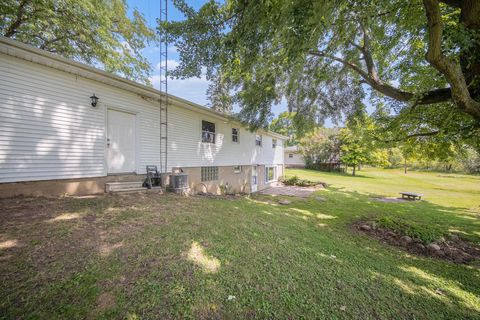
(414, 59)
(97, 32)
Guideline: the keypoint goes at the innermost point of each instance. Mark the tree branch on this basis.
(451, 70)
(453, 3)
(367, 55)
(19, 19)
(429, 97)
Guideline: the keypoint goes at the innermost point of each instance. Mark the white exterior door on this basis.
(254, 179)
(120, 142)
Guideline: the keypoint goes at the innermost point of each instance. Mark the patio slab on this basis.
(294, 191)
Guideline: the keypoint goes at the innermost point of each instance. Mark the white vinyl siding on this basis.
(49, 130)
(185, 147)
(294, 158)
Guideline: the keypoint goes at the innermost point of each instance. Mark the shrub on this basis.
(295, 181)
(413, 229)
(292, 181)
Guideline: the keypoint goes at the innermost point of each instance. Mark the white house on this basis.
(53, 141)
(293, 157)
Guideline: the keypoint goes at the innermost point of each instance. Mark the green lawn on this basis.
(150, 256)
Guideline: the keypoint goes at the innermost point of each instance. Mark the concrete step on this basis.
(119, 186)
(132, 186)
(127, 190)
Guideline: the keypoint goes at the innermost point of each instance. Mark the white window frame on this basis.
(236, 135)
(237, 169)
(258, 142)
(274, 168)
(209, 133)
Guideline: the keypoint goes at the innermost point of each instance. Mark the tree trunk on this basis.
(470, 59)
(405, 165)
(12, 29)
(353, 172)
(451, 69)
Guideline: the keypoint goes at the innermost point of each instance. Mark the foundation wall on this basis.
(77, 187)
(237, 183)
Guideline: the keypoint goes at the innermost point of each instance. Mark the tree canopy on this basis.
(96, 32)
(417, 62)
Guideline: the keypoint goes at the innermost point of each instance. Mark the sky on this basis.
(192, 89)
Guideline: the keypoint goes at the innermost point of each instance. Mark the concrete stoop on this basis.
(130, 186)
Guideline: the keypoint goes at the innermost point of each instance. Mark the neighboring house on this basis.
(53, 141)
(293, 158)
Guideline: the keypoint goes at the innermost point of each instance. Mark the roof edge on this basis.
(19, 50)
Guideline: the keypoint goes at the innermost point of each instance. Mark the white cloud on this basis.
(192, 89)
(171, 64)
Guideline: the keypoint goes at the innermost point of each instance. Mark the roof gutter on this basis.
(27, 52)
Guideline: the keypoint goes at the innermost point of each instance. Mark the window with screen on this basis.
(235, 135)
(208, 132)
(258, 140)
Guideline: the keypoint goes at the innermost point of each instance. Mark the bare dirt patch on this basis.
(391, 200)
(295, 191)
(454, 249)
(105, 301)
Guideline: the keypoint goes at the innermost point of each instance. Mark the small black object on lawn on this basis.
(411, 196)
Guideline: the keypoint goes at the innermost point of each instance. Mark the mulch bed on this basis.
(453, 249)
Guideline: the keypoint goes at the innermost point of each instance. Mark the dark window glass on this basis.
(234, 135)
(258, 140)
(208, 132)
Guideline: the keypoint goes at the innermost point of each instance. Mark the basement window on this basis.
(237, 169)
(209, 173)
(208, 132)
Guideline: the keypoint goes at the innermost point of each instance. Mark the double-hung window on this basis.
(208, 132)
(274, 143)
(258, 140)
(235, 135)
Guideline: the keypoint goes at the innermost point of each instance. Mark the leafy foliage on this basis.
(285, 125)
(354, 153)
(295, 181)
(96, 32)
(320, 146)
(324, 57)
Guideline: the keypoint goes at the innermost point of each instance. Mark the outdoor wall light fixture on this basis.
(94, 99)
